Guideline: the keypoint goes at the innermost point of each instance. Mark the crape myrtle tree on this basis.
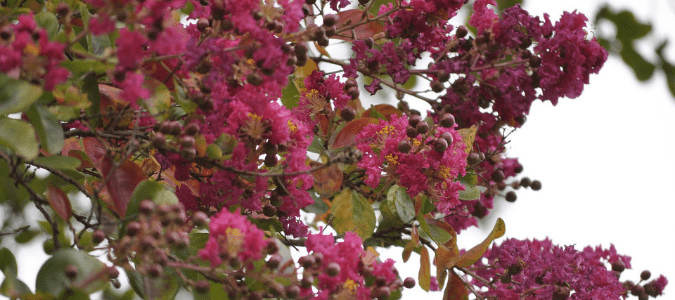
(183, 155)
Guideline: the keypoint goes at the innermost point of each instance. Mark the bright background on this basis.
(605, 160)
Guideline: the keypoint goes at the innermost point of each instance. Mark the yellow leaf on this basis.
(468, 136)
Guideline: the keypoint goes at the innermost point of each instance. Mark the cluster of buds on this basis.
(643, 290)
(417, 126)
(183, 138)
(157, 229)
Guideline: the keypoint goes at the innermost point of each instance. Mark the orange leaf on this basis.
(352, 16)
(424, 276)
(327, 181)
(475, 253)
(385, 110)
(111, 101)
(455, 290)
(59, 201)
(408, 250)
(347, 136)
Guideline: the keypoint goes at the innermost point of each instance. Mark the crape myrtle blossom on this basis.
(421, 169)
(232, 235)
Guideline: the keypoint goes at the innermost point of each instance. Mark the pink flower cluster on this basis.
(231, 235)
(25, 50)
(541, 270)
(353, 265)
(421, 169)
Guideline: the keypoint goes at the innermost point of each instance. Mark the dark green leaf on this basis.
(642, 68)
(58, 162)
(17, 95)
(8, 263)
(52, 278)
(19, 136)
(48, 128)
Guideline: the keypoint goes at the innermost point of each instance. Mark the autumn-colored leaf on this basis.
(112, 102)
(73, 148)
(347, 136)
(468, 136)
(122, 181)
(350, 17)
(424, 276)
(407, 250)
(455, 289)
(475, 253)
(301, 73)
(94, 150)
(385, 110)
(353, 212)
(59, 201)
(155, 70)
(327, 181)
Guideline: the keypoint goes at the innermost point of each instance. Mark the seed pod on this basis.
(187, 141)
(271, 160)
(191, 129)
(525, 182)
(645, 275)
(158, 141)
(273, 262)
(133, 228)
(98, 236)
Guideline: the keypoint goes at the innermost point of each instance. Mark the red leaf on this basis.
(59, 201)
(73, 148)
(327, 181)
(384, 109)
(352, 16)
(95, 150)
(455, 290)
(122, 182)
(347, 136)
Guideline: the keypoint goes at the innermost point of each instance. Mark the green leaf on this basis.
(474, 254)
(159, 103)
(80, 67)
(136, 282)
(401, 203)
(8, 263)
(642, 68)
(48, 128)
(319, 207)
(19, 136)
(90, 87)
(49, 22)
(437, 234)
(353, 212)
(216, 291)
(153, 190)
(14, 288)
(290, 95)
(470, 192)
(17, 95)
(58, 162)
(52, 277)
(668, 68)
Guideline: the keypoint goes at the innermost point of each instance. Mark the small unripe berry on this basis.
(525, 182)
(409, 283)
(645, 275)
(199, 219)
(618, 266)
(422, 127)
(333, 269)
(158, 141)
(440, 145)
(348, 113)
(330, 20)
(133, 228)
(273, 262)
(536, 185)
(353, 92)
(63, 10)
(497, 176)
(404, 146)
(447, 120)
(413, 120)
(511, 196)
(411, 132)
(98, 236)
(202, 24)
(437, 86)
(271, 160)
(462, 31)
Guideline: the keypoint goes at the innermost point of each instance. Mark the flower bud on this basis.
(116, 283)
(98, 236)
(561, 293)
(271, 160)
(511, 196)
(440, 145)
(404, 146)
(306, 261)
(307, 281)
(348, 113)
(112, 272)
(447, 120)
(188, 153)
(525, 182)
(154, 270)
(271, 247)
(369, 42)
(422, 127)
(437, 86)
(333, 269)
(133, 228)
(292, 291)
(473, 158)
(330, 20)
(447, 137)
(497, 176)
(462, 31)
(618, 266)
(645, 275)
(63, 10)
(273, 262)
(202, 24)
(269, 211)
(411, 132)
(158, 141)
(409, 283)
(536, 185)
(413, 120)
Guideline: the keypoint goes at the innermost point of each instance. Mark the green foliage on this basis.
(52, 277)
